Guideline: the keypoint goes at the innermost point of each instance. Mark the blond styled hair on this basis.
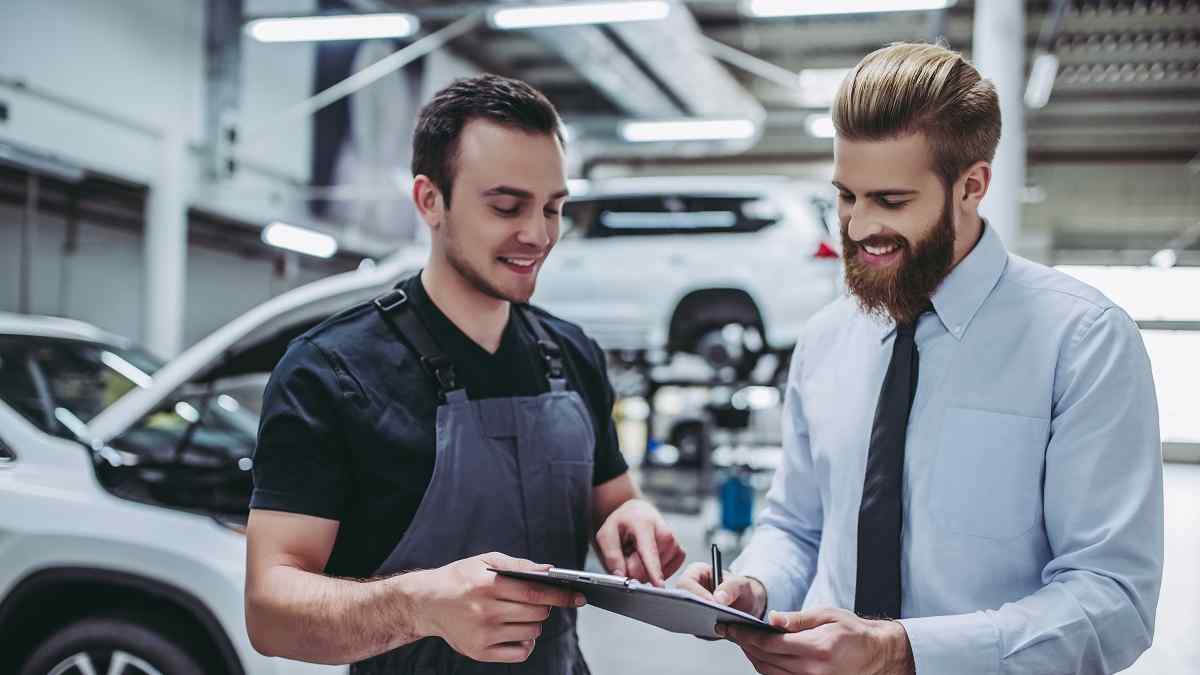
(908, 88)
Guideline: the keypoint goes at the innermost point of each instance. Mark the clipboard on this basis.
(671, 609)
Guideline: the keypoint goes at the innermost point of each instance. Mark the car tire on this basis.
(99, 640)
(723, 348)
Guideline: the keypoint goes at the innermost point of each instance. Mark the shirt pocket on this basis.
(987, 478)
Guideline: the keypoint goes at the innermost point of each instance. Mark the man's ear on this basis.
(975, 182)
(428, 198)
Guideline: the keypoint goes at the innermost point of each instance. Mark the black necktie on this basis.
(879, 516)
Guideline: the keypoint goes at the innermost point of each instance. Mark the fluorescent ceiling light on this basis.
(300, 240)
(687, 130)
(1041, 80)
(820, 126)
(819, 85)
(322, 28)
(1164, 259)
(578, 187)
(770, 8)
(577, 13)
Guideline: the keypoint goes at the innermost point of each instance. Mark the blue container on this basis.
(737, 503)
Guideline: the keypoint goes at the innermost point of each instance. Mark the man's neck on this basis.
(967, 238)
(479, 316)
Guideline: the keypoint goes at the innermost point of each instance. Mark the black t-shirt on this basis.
(348, 420)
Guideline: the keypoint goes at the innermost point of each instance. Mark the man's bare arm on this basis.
(294, 611)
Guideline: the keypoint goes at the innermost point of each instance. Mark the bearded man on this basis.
(972, 479)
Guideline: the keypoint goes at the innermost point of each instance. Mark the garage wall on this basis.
(140, 61)
(100, 282)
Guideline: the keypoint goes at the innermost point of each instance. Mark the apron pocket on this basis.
(570, 515)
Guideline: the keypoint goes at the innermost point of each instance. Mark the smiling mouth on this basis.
(519, 262)
(881, 250)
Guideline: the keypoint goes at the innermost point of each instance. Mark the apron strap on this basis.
(407, 326)
(551, 353)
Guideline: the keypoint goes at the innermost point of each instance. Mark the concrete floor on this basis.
(617, 646)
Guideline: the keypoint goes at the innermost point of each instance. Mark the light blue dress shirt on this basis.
(1033, 508)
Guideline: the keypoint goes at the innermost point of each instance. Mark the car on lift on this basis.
(729, 268)
(125, 485)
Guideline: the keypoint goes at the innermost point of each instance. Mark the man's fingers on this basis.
(696, 579)
(501, 561)
(508, 611)
(672, 564)
(734, 592)
(769, 667)
(647, 547)
(515, 632)
(769, 643)
(608, 541)
(516, 652)
(531, 593)
(798, 621)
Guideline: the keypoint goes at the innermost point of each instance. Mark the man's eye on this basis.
(891, 205)
(507, 212)
(846, 196)
(551, 213)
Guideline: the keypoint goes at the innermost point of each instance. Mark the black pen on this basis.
(716, 567)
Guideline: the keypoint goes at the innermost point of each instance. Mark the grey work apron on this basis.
(512, 475)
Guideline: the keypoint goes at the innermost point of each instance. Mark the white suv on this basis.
(124, 488)
(725, 267)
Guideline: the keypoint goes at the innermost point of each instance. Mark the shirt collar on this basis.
(963, 291)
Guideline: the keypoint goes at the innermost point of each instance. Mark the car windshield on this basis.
(62, 385)
(652, 215)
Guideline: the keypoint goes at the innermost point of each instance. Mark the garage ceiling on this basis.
(1128, 86)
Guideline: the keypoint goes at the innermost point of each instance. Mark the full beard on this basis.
(903, 291)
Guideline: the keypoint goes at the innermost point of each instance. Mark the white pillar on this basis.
(165, 252)
(998, 52)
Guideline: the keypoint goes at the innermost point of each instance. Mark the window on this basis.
(19, 385)
(649, 215)
(61, 385)
(1167, 308)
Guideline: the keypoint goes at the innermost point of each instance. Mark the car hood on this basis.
(231, 349)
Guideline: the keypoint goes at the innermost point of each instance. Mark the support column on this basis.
(999, 53)
(165, 253)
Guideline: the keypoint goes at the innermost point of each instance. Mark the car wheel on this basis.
(109, 646)
(733, 348)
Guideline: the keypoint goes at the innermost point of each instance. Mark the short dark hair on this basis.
(489, 97)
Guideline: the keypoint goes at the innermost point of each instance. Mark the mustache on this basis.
(878, 241)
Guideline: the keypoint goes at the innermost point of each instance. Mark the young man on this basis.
(411, 445)
(971, 438)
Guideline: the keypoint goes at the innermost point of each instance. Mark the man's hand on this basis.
(635, 542)
(743, 593)
(825, 641)
(485, 616)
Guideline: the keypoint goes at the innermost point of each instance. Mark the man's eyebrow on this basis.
(889, 192)
(519, 193)
(510, 191)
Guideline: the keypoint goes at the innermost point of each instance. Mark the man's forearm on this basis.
(310, 617)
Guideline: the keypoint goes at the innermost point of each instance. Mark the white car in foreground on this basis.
(726, 267)
(124, 488)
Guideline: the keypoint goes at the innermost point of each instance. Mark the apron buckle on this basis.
(442, 370)
(391, 300)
